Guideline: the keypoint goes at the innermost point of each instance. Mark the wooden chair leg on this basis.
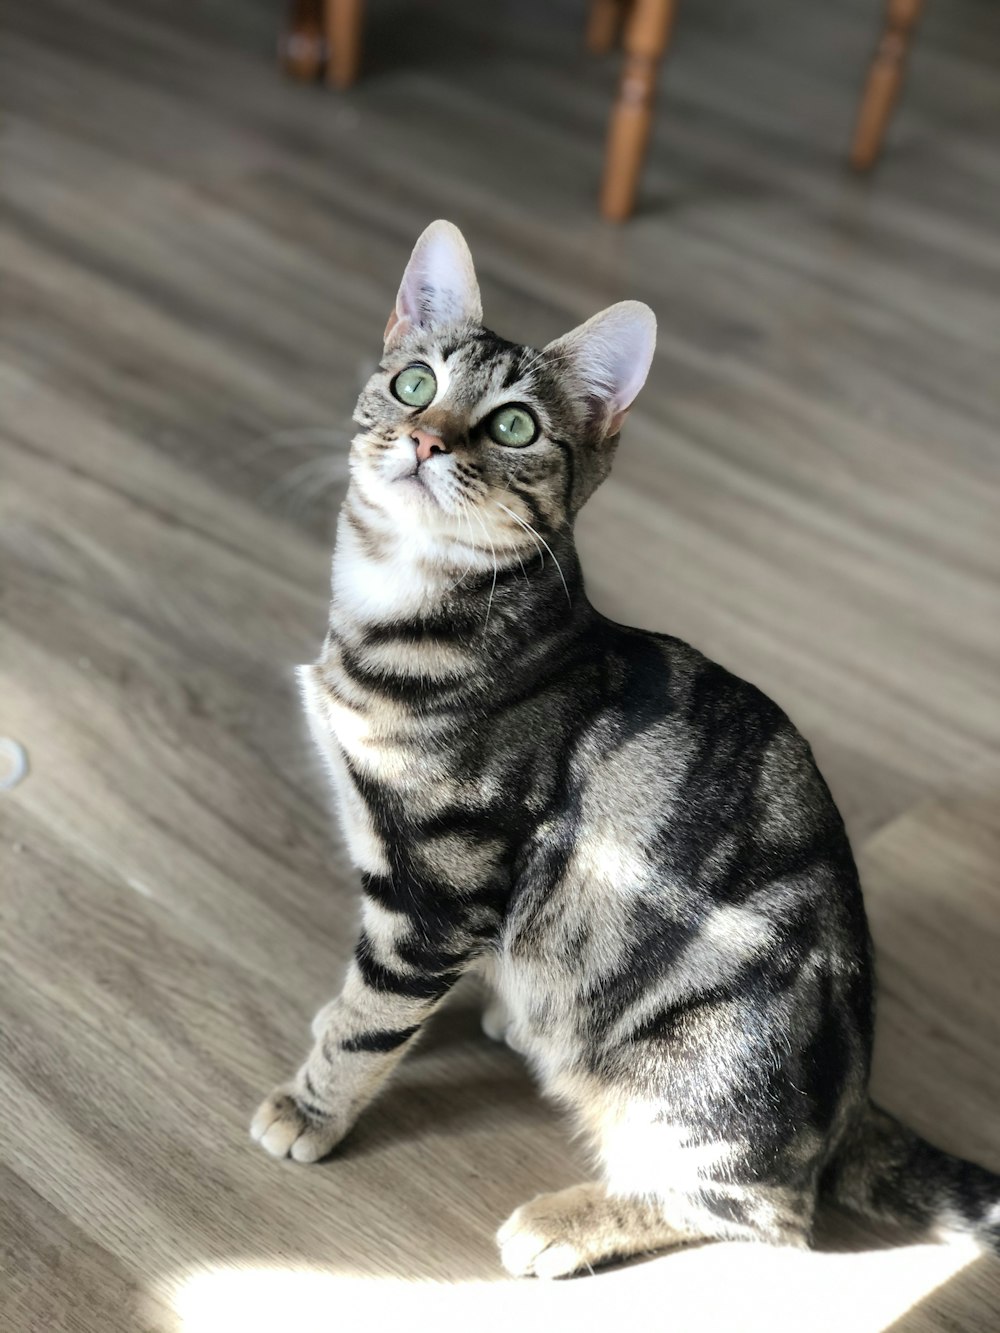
(344, 20)
(604, 22)
(885, 79)
(301, 46)
(646, 35)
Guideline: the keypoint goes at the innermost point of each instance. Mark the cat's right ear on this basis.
(439, 287)
(605, 362)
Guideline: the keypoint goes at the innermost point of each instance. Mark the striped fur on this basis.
(633, 847)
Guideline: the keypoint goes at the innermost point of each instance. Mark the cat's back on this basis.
(729, 747)
(690, 789)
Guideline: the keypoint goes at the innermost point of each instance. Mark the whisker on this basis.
(299, 437)
(463, 503)
(524, 524)
(301, 485)
(542, 355)
(493, 586)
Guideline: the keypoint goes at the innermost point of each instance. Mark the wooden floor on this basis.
(196, 262)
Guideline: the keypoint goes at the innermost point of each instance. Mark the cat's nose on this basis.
(427, 443)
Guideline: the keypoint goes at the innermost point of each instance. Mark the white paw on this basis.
(284, 1129)
(496, 1023)
(495, 1020)
(532, 1243)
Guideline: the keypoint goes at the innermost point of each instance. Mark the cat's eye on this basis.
(415, 386)
(512, 425)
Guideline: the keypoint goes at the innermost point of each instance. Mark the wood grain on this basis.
(196, 259)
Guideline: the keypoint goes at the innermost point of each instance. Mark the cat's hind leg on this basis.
(558, 1234)
(665, 1185)
(575, 1229)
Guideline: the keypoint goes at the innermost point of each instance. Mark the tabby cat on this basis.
(633, 846)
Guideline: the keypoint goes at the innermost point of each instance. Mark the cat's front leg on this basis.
(400, 973)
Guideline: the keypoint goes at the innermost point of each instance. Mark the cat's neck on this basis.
(385, 578)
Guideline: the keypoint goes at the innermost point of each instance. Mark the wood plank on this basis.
(196, 261)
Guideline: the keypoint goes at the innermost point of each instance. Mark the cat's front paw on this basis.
(285, 1128)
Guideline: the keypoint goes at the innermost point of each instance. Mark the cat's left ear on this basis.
(439, 286)
(606, 361)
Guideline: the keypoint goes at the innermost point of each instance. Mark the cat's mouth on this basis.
(417, 482)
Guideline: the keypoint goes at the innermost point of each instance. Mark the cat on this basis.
(634, 847)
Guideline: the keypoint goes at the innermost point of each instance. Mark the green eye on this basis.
(415, 386)
(512, 425)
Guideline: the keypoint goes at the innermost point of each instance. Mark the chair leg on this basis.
(646, 35)
(301, 43)
(604, 21)
(344, 20)
(885, 79)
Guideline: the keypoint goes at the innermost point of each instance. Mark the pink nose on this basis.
(427, 444)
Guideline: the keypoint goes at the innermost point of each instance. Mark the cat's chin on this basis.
(417, 510)
(414, 486)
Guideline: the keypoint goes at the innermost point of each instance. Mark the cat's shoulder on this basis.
(699, 687)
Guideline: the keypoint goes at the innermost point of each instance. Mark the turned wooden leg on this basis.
(343, 41)
(301, 46)
(646, 35)
(885, 79)
(604, 21)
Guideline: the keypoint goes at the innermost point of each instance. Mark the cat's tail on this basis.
(883, 1169)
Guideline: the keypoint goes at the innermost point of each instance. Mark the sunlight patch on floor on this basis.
(753, 1289)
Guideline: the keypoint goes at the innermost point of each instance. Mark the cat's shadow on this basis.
(426, 1098)
(455, 1082)
(458, 1083)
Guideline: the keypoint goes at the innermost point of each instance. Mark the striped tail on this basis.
(885, 1170)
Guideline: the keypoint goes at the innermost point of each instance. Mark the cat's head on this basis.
(471, 436)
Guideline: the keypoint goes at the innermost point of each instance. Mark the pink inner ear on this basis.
(616, 422)
(396, 326)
